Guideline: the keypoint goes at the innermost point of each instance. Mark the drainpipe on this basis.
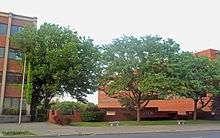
(5, 63)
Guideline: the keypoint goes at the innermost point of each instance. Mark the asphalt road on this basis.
(204, 134)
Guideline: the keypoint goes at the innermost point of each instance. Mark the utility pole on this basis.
(22, 90)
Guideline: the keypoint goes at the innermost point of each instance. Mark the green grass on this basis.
(16, 133)
(142, 123)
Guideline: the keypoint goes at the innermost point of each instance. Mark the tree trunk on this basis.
(195, 110)
(138, 113)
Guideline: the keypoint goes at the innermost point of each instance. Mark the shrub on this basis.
(67, 107)
(92, 114)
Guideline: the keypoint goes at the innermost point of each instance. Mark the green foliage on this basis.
(28, 88)
(68, 108)
(89, 112)
(217, 67)
(92, 114)
(197, 75)
(61, 62)
(139, 69)
(16, 133)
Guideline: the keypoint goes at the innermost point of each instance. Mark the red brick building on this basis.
(10, 60)
(156, 108)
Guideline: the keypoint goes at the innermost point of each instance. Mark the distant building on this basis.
(156, 109)
(10, 60)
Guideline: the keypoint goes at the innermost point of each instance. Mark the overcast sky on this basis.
(194, 24)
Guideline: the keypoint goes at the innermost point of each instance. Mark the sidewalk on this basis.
(46, 129)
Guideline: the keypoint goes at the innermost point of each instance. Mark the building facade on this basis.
(156, 109)
(10, 60)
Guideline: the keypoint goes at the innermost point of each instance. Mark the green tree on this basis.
(217, 67)
(137, 70)
(197, 75)
(60, 62)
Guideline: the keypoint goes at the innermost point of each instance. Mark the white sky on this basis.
(195, 24)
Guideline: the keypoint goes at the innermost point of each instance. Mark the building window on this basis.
(14, 54)
(1, 52)
(0, 77)
(110, 113)
(15, 29)
(7, 103)
(13, 103)
(3, 29)
(150, 111)
(14, 78)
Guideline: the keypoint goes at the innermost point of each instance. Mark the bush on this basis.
(65, 108)
(68, 108)
(13, 111)
(92, 114)
(88, 112)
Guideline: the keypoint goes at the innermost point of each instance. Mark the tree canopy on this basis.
(197, 76)
(137, 70)
(61, 62)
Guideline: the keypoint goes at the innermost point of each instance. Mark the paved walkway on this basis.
(51, 129)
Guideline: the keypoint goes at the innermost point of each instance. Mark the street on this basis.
(202, 134)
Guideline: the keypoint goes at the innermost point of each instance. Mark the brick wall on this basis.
(22, 23)
(53, 115)
(1, 65)
(2, 41)
(14, 66)
(13, 91)
(4, 20)
(210, 53)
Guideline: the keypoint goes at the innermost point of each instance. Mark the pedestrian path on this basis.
(46, 129)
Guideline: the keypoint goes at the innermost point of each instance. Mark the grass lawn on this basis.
(16, 133)
(143, 123)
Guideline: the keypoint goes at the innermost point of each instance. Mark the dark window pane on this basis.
(7, 103)
(3, 29)
(15, 29)
(1, 52)
(14, 78)
(15, 103)
(0, 77)
(14, 54)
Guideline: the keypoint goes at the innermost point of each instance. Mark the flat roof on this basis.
(16, 16)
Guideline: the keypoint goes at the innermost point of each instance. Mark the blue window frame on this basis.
(3, 29)
(1, 52)
(15, 29)
(14, 54)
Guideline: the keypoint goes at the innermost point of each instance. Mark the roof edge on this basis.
(16, 16)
